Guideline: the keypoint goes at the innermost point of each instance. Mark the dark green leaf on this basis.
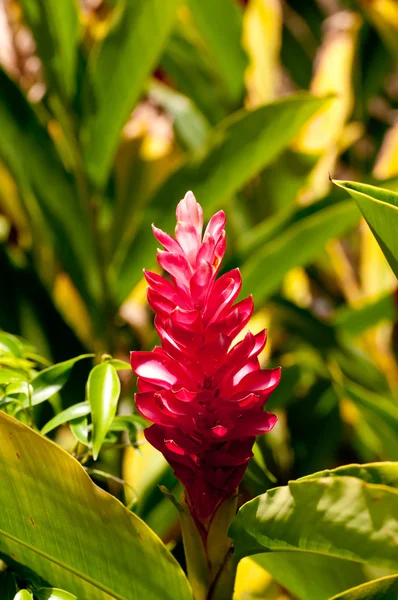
(220, 24)
(117, 71)
(31, 156)
(55, 26)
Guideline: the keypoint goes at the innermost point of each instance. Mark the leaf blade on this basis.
(117, 70)
(380, 209)
(103, 390)
(50, 527)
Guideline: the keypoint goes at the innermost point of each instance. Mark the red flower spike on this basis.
(204, 395)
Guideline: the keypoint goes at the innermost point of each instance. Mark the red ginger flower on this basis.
(204, 395)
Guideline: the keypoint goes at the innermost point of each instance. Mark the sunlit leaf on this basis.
(307, 575)
(103, 390)
(73, 533)
(23, 595)
(10, 344)
(341, 516)
(380, 209)
(238, 149)
(73, 412)
(53, 594)
(49, 381)
(263, 272)
(385, 588)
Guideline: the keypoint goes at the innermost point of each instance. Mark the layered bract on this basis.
(204, 395)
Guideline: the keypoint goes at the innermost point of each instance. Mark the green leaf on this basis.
(49, 381)
(69, 414)
(69, 531)
(380, 209)
(8, 585)
(31, 156)
(120, 365)
(9, 375)
(55, 27)
(103, 391)
(116, 73)
(377, 425)
(340, 516)
(129, 423)
(185, 63)
(80, 430)
(10, 344)
(385, 473)
(53, 594)
(385, 588)
(191, 127)
(220, 24)
(264, 270)
(23, 595)
(311, 576)
(354, 321)
(239, 148)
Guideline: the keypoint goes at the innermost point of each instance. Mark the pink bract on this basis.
(204, 395)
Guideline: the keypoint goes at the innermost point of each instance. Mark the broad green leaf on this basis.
(380, 209)
(103, 391)
(53, 594)
(31, 156)
(385, 473)
(55, 27)
(311, 576)
(238, 149)
(263, 272)
(49, 381)
(69, 414)
(226, 52)
(339, 516)
(385, 588)
(116, 73)
(72, 533)
(10, 344)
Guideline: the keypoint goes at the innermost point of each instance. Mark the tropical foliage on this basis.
(282, 114)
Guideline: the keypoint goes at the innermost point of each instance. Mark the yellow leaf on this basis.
(262, 35)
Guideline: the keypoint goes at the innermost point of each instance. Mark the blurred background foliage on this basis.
(110, 111)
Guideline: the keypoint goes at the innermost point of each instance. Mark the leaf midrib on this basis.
(63, 566)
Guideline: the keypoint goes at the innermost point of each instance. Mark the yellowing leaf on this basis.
(262, 36)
